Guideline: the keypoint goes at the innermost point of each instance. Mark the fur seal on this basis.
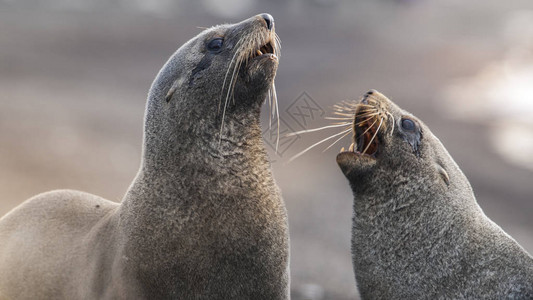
(203, 219)
(418, 232)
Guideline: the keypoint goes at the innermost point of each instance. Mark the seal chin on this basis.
(352, 163)
(262, 69)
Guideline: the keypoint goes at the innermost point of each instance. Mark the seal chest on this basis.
(203, 219)
(418, 232)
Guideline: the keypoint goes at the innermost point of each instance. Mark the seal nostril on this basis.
(269, 20)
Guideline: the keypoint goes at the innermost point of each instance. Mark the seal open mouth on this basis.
(267, 48)
(364, 120)
(367, 123)
(368, 120)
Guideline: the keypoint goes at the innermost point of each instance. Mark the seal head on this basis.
(417, 229)
(226, 72)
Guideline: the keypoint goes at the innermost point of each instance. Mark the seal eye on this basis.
(215, 44)
(408, 125)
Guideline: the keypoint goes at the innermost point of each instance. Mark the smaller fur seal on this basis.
(418, 232)
(203, 219)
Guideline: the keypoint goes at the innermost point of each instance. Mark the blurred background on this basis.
(74, 75)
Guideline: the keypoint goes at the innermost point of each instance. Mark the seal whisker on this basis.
(354, 109)
(340, 106)
(227, 72)
(333, 118)
(234, 82)
(392, 124)
(345, 108)
(277, 43)
(374, 136)
(318, 143)
(370, 127)
(366, 120)
(337, 140)
(273, 107)
(363, 105)
(270, 109)
(339, 123)
(344, 114)
(230, 88)
(316, 129)
(367, 114)
(275, 96)
(351, 105)
(344, 111)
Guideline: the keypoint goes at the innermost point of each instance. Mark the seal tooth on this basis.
(259, 52)
(342, 149)
(351, 147)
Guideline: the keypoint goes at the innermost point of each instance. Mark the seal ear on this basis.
(172, 90)
(443, 174)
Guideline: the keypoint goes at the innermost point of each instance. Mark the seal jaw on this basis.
(352, 162)
(262, 61)
(265, 53)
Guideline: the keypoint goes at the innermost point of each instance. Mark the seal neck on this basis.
(190, 164)
(186, 154)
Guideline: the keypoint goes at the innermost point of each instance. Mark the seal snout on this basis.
(269, 20)
(268, 45)
(370, 118)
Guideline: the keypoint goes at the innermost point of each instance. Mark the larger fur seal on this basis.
(203, 219)
(418, 232)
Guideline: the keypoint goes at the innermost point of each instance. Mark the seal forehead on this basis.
(215, 31)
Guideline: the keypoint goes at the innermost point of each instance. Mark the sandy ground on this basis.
(73, 83)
